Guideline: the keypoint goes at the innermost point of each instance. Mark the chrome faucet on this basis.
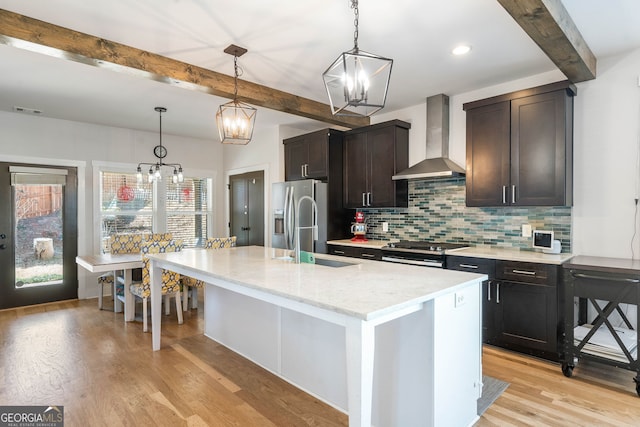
(313, 227)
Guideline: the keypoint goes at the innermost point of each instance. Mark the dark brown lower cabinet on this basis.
(519, 304)
(526, 308)
(355, 252)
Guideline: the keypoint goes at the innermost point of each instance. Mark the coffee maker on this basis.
(359, 228)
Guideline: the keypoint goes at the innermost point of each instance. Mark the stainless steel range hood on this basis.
(437, 144)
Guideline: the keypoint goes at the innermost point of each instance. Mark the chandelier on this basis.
(235, 119)
(357, 80)
(155, 169)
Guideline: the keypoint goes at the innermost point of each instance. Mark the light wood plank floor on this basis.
(104, 373)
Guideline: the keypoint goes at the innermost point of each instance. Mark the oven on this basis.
(425, 254)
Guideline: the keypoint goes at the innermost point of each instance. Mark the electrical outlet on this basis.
(459, 299)
(385, 227)
(526, 230)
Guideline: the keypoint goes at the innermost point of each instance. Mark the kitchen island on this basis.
(322, 327)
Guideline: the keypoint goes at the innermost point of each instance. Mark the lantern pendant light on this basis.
(235, 119)
(357, 82)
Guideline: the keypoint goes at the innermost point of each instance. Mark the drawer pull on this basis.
(528, 273)
(498, 293)
(488, 290)
(368, 255)
(338, 252)
(474, 267)
(611, 279)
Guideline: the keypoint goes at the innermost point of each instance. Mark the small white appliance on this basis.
(543, 239)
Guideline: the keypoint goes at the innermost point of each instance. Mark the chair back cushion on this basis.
(170, 279)
(125, 243)
(158, 237)
(220, 242)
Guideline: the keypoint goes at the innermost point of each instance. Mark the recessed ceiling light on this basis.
(461, 50)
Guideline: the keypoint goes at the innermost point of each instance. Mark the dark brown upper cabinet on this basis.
(520, 148)
(372, 155)
(311, 156)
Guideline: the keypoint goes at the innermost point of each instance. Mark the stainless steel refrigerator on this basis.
(285, 197)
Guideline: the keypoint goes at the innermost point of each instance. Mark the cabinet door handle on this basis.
(611, 279)
(528, 273)
(498, 293)
(504, 194)
(513, 194)
(488, 290)
(368, 255)
(364, 201)
(368, 199)
(474, 267)
(306, 169)
(338, 252)
(301, 170)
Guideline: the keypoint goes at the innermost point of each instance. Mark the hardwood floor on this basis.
(104, 373)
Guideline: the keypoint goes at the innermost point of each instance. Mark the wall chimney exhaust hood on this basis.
(437, 143)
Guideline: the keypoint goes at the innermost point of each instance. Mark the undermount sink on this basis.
(333, 263)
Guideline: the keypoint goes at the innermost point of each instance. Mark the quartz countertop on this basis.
(364, 289)
(376, 244)
(511, 255)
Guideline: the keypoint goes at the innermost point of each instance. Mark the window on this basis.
(188, 210)
(184, 209)
(125, 205)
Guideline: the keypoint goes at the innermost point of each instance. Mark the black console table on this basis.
(605, 283)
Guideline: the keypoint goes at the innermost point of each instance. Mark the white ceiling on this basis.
(290, 43)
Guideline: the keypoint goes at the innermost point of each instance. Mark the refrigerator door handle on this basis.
(286, 218)
(291, 223)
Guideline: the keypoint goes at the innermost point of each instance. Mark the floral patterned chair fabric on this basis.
(124, 243)
(189, 284)
(170, 279)
(158, 237)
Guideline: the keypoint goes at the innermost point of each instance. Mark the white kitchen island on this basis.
(391, 345)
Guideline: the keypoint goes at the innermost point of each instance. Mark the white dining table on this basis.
(108, 262)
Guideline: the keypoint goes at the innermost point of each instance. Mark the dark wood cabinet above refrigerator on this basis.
(520, 148)
(315, 155)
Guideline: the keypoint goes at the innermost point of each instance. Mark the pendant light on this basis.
(236, 119)
(155, 169)
(357, 82)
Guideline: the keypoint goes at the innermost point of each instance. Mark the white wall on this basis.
(41, 140)
(606, 146)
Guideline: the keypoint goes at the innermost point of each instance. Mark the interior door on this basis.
(247, 208)
(38, 234)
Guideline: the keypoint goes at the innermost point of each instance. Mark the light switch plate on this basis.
(385, 226)
(526, 230)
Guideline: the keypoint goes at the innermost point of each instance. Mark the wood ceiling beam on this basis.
(549, 25)
(39, 36)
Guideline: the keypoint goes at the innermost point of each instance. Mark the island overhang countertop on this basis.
(364, 289)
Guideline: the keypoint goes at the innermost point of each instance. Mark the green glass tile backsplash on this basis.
(437, 212)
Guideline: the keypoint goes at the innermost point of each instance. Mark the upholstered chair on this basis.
(190, 285)
(158, 237)
(170, 279)
(123, 243)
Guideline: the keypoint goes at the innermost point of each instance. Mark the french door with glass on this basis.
(38, 234)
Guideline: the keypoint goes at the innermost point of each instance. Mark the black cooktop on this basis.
(425, 246)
